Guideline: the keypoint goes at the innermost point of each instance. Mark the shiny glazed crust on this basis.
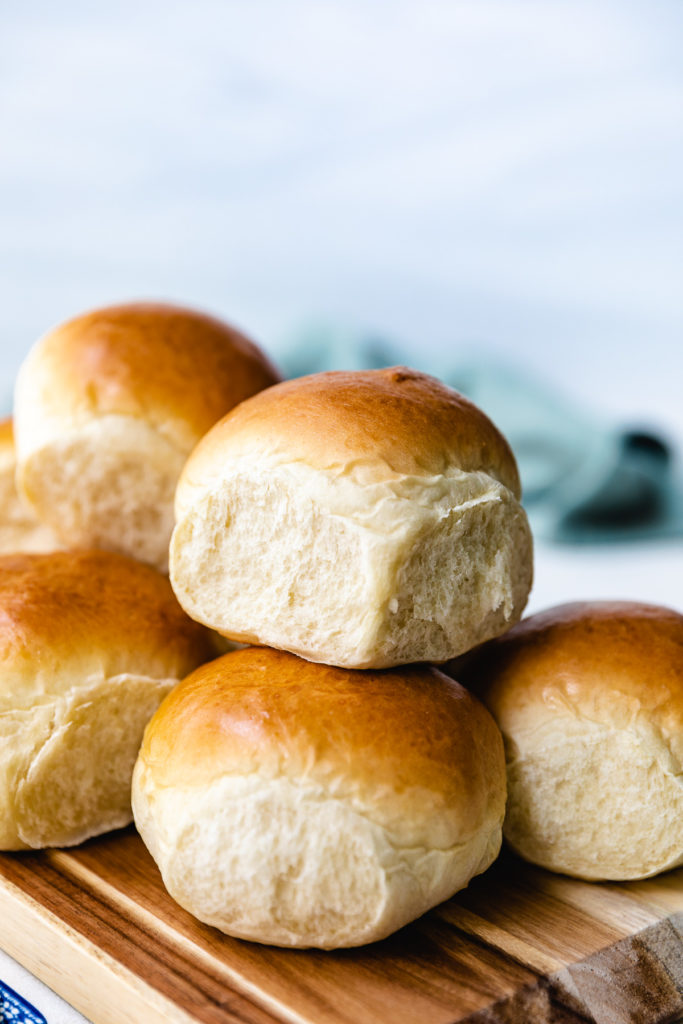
(584, 655)
(589, 697)
(97, 606)
(362, 520)
(107, 408)
(302, 805)
(90, 643)
(174, 368)
(270, 713)
(381, 423)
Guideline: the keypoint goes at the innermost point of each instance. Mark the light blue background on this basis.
(459, 175)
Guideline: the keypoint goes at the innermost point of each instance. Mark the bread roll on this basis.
(19, 528)
(589, 698)
(90, 642)
(108, 407)
(358, 519)
(302, 805)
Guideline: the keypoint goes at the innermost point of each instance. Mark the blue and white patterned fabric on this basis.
(16, 1010)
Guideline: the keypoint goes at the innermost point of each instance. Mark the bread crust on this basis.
(362, 519)
(107, 408)
(103, 608)
(177, 369)
(589, 697)
(381, 423)
(267, 712)
(303, 805)
(90, 643)
(582, 655)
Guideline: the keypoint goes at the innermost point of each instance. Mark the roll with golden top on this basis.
(589, 698)
(358, 519)
(302, 805)
(107, 408)
(90, 643)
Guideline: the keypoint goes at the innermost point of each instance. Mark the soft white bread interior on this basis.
(107, 408)
(589, 698)
(90, 643)
(302, 805)
(358, 519)
(19, 528)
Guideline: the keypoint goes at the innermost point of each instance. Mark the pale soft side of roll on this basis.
(589, 698)
(107, 408)
(302, 805)
(90, 643)
(20, 531)
(358, 519)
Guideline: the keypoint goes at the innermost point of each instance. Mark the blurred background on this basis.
(490, 190)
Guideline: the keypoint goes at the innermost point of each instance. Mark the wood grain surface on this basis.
(518, 946)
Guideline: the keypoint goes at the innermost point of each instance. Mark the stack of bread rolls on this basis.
(320, 788)
(327, 784)
(107, 406)
(362, 522)
(363, 519)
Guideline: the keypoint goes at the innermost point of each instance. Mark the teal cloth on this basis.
(583, 480)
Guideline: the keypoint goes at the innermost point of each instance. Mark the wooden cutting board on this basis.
(519, 945)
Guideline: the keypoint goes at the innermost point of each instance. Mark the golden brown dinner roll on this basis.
(108, 407)
(19, 528)
(589, 698)
(302, 805)
(359, 519)
(90, 642)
